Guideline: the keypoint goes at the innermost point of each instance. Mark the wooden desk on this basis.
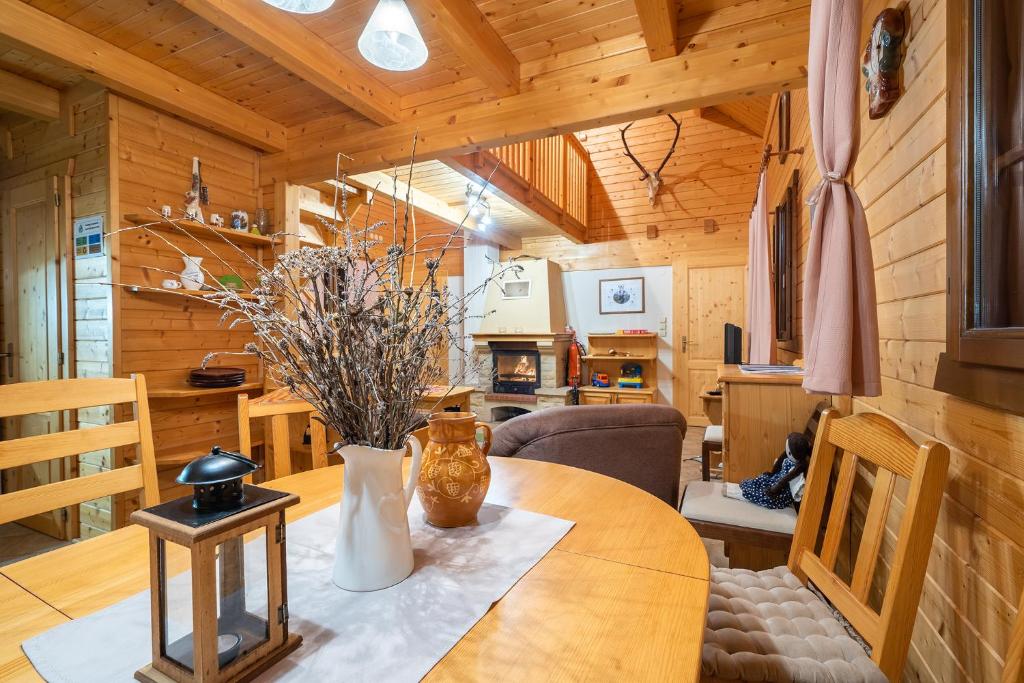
(758, 413)
(624, 593)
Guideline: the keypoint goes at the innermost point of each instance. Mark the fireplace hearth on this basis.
(515, 371)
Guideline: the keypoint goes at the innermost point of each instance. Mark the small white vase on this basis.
(374, 550)
(192, 277)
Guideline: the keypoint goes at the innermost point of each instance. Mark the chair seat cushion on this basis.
(714, 434)
(768, 626)
(705, 501)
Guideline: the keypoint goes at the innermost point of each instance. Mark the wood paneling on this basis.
(163, 336)
(976, 566)
(42, 149)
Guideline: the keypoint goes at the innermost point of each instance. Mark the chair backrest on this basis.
(873, 439)
(27, 398)
(276, 406)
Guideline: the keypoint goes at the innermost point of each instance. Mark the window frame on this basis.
(982, 365)
(783, 271)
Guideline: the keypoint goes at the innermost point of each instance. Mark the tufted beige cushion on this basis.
(767, 626)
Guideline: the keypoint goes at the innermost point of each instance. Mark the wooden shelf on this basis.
(183, 389)
(193, 294)
(618, 390)
(199, 230)
(615, 335)
(645, 356)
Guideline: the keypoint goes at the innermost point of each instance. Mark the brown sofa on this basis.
(639, 444)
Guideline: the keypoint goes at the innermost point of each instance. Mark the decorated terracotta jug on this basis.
(455, 475)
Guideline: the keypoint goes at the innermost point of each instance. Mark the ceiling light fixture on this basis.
(301, 6)
(391, 39)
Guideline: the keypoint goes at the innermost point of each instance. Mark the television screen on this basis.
(733, 344)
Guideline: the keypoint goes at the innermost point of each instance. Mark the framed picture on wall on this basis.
(621, 295)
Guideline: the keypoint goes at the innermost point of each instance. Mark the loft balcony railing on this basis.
(548, 177)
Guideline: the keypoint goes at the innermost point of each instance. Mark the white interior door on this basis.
(32, 328)
(709, 292)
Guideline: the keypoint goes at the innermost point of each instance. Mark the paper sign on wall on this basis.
(88, 231)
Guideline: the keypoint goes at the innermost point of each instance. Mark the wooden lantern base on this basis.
(148, 674)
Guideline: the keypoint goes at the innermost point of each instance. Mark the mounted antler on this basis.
(653, 180)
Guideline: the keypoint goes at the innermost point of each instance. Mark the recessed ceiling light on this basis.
(301, 6)
(391, 39)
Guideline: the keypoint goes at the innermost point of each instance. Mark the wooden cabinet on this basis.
(607, 353)
(594, 398)
(758, 413)
(600, 396)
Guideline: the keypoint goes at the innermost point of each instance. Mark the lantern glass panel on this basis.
(243, 616)
(175, 612)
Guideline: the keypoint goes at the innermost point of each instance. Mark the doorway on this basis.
(33, 328)
(709, 292)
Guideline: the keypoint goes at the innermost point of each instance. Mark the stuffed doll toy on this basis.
(773, 489)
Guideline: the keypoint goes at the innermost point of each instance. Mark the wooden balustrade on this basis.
(556, 168)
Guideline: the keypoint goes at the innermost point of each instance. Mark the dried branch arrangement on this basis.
(352, 327)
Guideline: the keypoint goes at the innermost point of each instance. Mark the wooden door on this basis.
(32, 329)
(708, 293)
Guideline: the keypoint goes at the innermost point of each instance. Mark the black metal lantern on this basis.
(216, 479)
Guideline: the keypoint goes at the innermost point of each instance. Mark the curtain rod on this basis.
(766, 157)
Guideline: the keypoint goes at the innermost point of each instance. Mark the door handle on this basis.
(685, 343)
(9, 355)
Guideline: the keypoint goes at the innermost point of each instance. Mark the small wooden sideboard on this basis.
(608, 352)
(758, 412)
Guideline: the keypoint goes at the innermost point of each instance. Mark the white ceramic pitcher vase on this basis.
(374, 550)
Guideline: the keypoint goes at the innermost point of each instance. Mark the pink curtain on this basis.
(760, 309)
(840, 320)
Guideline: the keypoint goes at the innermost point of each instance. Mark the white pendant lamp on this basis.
(391, 39)
(301, 6)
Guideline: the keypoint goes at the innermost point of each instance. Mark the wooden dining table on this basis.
(622, 596)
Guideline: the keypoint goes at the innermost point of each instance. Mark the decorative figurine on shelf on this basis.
(197, 194)
(216, 625)
(881, 62)
(600, 379)
(631, 376)
(239, 220)
(216, 220)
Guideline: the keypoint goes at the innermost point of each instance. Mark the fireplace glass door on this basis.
(516, 371)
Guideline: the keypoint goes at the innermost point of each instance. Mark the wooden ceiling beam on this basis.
(123, 72)
(659, 20)
(28, 97)
(588, 96)
(467, 32)
(282, 38)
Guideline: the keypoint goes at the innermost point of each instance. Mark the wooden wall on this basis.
(36, 149)
(160, 335)
(709, 177)
(977, 561)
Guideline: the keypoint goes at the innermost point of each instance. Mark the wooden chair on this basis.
(277, 406)
(867, 438)
(71, 394)
(755, 537)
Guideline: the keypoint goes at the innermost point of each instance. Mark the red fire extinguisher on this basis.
(574, 367)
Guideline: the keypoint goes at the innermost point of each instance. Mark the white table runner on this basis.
(396, 634)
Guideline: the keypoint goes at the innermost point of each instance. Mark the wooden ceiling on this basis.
(498, 70)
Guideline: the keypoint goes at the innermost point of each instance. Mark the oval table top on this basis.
(622, 595)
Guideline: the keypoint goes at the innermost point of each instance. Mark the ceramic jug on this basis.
(455, 475)
(192, 277)
(373, 549)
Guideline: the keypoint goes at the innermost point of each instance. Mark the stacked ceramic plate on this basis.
(215, 378)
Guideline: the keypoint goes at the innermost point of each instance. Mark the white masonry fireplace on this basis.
(521, 346)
